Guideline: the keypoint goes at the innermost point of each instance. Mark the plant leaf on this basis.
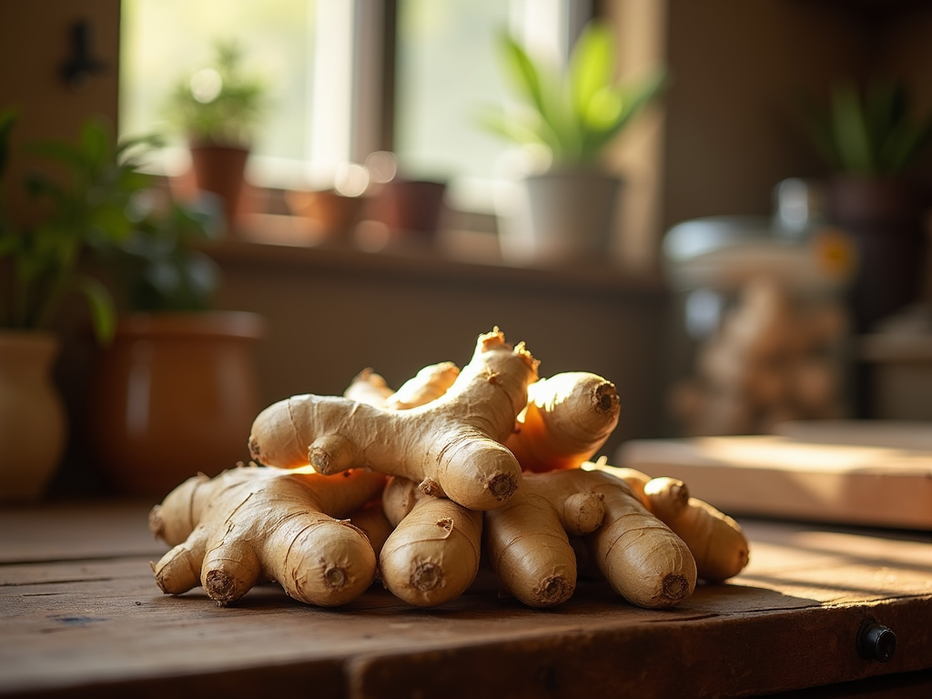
(591, 64)
(101, 306)
(94, 143)
(523, 72)
(633, 100)
(852, 136)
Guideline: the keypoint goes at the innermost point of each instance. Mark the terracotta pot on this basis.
(884, 218)
(174, 395)
(409, 208)
(561, 216)
(220, 170)
(334, 213)
(33, 422)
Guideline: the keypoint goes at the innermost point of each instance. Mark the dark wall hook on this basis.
(81, 64)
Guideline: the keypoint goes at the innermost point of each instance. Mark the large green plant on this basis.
(220, 104)
(94, 207)
(83, 210)
(871, 132)
(572, 111)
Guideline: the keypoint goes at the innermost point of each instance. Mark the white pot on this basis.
(560, 216)
(33, 422)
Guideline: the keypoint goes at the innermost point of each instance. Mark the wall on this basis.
(35, 42)
(332, 313)
(733, 128)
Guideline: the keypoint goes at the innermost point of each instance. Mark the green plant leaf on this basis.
(576, 111)
(65, 154)
(508, 126)
(591, 65)
(632, 102)
(524, 72)
(101, 306)
(94, 144)
(850, 128)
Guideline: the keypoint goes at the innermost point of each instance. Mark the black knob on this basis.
(876, 642)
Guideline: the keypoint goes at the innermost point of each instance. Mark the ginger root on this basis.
(640, 556)
(716, 540)
(432, 556)
(251, 524)
(568, 417)
(451, 446)
(527, 541)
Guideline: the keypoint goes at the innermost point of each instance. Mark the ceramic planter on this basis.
(561, 216)
(33, 422)
(174, 395)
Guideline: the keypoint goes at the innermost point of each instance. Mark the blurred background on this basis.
(765, 259)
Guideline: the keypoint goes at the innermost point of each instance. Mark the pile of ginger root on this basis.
(419, 487)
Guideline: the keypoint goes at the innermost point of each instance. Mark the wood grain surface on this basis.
(80, 615)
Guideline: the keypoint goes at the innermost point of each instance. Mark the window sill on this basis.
(283, 240)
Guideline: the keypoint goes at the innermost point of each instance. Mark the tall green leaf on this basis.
(100, 303)
(852, 135)
(591, 65)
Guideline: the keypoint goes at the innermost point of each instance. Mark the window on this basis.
(338, 72)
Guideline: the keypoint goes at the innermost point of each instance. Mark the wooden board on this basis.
(96, 626)
(873, 483)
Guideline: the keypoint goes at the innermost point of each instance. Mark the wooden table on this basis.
(80, 615)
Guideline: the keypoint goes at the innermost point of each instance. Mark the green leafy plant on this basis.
(161, 265)
(870, 132)
(101, 210)
(220, 104)
(84, 210)
(574, 112)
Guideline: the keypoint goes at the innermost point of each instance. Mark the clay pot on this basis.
(33, 422)
(174, 395)
(221, 170)
(334, 213)
(410, 209)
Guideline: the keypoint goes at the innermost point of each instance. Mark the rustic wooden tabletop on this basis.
(80, 615)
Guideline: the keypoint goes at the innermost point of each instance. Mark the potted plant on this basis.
(175, 393)
(869, 140)
(217, 109)
(569, 114)
(41, 263)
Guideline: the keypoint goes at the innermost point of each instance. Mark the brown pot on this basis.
(33, 423)
(409, 208)
(335, 214)
(220, 170)
(174, 395)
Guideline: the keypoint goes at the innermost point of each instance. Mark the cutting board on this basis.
(870, 473)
